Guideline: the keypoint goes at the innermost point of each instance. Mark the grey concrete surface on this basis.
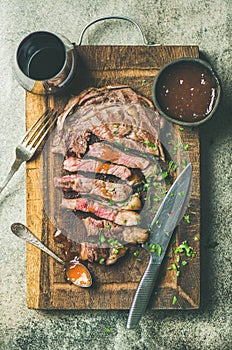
(199, 22)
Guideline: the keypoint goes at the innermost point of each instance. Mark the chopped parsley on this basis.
(174, 300)
(187, 218)
(150, 144)
(136, 253)
(101, 260)
(184, 253)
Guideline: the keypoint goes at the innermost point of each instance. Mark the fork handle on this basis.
(15, 166)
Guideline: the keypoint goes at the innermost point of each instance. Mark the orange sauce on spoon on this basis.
(78, 274)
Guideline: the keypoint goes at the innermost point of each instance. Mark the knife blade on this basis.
(165, 221)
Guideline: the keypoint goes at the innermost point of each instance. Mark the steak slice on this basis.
(134, 122)
(107, 229)
(130, 137)
(93, 252)
(87, 205)
(113, 154)
(117, 192)
(96, 166)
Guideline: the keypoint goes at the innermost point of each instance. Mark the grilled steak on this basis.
(130, 137)
(107, 229)
(116, 192)
(74, 164)
(107, 152)
(121, 217)
(134, 122)
(110, 140)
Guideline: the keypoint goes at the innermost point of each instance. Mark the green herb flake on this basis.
(184, 162)
(107, 330)
(176, 166)
(112, 188)
(108, 226)
(136, 253)
(181, 193)
(116, 132)
(144, 81)
(171, 194)
(164, 174)
(150, 144)
(170, 164)
(196, 239)
(187, 218)
(157, 222)
(145, 187)
(178, 273)
(181, 128)
(159, 249)
(102, 238)
(186, 147)
(101, 260)
(152, 247)
(184, 262)
(116, 251)
(174, 300)
(174, 267)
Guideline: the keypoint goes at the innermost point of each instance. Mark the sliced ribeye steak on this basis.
(109, 138)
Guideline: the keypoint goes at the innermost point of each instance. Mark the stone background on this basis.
(206, 23)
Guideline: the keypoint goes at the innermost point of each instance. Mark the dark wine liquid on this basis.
(45, 64)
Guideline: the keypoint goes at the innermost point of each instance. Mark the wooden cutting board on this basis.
(114, 286)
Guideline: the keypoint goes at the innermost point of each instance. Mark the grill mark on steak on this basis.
(120, 217)
(86, 119)
(112, 154)
(103, 170)
(90, 94)
(131, 138)
(74, 164)
(132, 203)
(116, 192)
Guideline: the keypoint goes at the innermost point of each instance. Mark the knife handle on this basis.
(143, 293)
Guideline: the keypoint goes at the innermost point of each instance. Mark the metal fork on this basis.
(31, 141)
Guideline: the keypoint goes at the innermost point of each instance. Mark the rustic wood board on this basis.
(114, 286)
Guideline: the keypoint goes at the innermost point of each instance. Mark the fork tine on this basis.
(37, 124)
(35, 135)
(46, 126)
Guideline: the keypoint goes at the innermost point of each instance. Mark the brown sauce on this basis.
(186, 91)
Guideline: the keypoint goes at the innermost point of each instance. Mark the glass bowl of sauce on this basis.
(187, 91)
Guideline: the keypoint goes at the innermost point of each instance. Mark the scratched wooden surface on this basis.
(114, 286)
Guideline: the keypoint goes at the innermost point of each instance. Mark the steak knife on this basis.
(166, 219)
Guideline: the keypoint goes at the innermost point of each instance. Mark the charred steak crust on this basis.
(122, 154)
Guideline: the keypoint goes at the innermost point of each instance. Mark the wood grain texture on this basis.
(114, 286)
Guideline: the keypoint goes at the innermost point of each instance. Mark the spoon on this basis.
(76, 272)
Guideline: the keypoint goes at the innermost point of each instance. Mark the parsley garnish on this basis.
(174, 300)
(187, 218)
